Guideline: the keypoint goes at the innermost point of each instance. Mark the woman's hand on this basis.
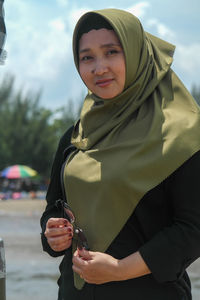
(59, 233)
(96, 267)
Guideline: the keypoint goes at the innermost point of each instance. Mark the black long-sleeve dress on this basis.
(164, 228)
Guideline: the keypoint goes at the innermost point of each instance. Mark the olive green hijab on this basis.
(129, 144)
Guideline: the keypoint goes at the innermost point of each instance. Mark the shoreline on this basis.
(22, 206)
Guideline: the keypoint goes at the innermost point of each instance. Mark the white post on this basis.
(2, 272)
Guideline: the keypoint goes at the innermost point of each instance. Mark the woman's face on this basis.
(102, 63)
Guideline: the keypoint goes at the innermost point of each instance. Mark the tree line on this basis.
(29, 133)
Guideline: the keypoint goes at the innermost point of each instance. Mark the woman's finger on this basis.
(56, 222)
(62, 242)
(60, 238)
(62, 246)
(58, 231)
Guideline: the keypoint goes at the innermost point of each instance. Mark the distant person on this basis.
(2, 34)
(131, 176)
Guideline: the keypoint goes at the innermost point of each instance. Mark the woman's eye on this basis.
(85, 58)
(113, 51)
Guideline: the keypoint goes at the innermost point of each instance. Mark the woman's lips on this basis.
(103, 82)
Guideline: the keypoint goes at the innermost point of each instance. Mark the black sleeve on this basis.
(54, 191)
(174, 248)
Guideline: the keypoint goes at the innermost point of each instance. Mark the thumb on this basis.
(84, 254)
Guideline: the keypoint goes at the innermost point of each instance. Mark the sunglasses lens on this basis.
(82, 241)
(70, 215)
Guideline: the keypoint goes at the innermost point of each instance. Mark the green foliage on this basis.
(196, 93)
(64, 118)
(29, 133)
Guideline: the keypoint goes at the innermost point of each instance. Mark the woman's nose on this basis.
(100, 68)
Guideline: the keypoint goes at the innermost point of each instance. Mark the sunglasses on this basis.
(69, 215)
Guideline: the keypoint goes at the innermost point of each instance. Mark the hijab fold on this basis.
(128, 144)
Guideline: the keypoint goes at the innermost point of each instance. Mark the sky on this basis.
(39, 42)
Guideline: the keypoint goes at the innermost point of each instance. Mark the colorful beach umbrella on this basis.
(18, 171)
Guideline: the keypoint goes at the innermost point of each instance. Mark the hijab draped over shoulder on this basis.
(128, 144)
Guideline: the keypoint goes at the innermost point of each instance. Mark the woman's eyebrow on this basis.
(102, 46)
(84, 50)
(110, 45)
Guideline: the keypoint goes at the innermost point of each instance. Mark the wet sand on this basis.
(31, 273)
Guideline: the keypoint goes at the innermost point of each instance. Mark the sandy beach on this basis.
(24, 206)
(31, 273)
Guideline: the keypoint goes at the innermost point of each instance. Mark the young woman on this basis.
(131, 174)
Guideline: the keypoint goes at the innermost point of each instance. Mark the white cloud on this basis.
(49, 49)
(57, 24)
(37, 49)
(62, 2)
(188, 60)
(38, 54)
(138, 9)
(162, 30)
